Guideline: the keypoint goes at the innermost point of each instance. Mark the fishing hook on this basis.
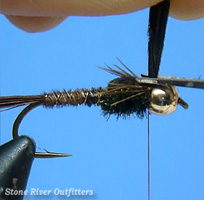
(16, 125)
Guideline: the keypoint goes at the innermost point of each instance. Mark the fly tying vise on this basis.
(123, 96)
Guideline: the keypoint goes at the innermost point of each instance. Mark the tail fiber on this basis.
(9, 102)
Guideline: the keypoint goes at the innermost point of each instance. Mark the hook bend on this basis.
(16, 125)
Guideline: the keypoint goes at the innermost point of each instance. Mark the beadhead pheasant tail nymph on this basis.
(123, 96)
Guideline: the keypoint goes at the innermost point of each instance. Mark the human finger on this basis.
(35, 12)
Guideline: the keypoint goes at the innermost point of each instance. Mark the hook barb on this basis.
(16, 125)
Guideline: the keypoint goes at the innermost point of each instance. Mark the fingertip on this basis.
(35, 24)
(187, 9)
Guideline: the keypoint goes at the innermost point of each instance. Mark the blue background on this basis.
(109, 157)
